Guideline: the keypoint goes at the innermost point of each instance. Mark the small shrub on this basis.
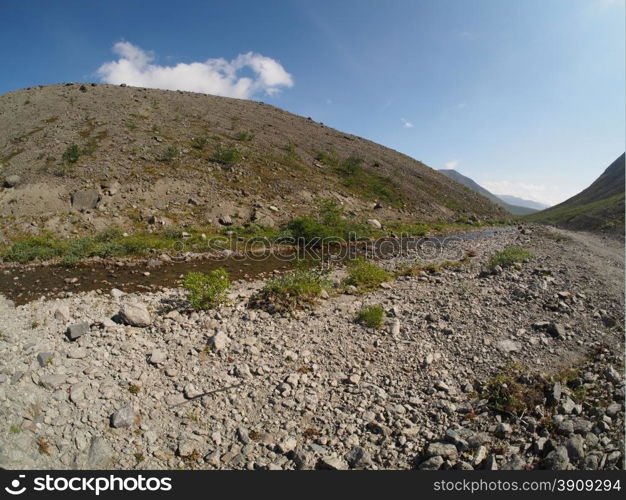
(244, 136)
(15, 429)
(170, 154)
(71, 154)
(199, 142)
(371, 316)
(134, 389)
(365, 275)
(508, 256)
(226, 156)
(293, 290)
(512, 394)
(206, 290)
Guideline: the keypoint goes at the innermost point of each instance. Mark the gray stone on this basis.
(157, 357)
(135, 314)
(358, 457)
(219, 341)
(445, 450)
(100, 454)
(433, 463)
(575, 448)
(508, 346)
(77, 330)
(332, 463)
(375, 223)
(44, 358)
(557, 459)
(52, 381)
(557, 330)
(515, 463)
(502, 430)
(86, 199)
(124, 417)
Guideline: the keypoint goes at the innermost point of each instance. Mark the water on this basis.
(28, 283)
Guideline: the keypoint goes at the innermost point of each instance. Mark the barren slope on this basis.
(161, 147)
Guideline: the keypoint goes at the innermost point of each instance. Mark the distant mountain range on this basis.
(512, 204)
(521, 202)
(600, 207)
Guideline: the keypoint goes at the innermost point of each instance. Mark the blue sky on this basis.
(526, 97)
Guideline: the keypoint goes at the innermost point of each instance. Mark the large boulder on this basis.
(87, 199)
(135, 314)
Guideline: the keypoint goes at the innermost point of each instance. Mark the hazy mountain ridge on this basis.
(474, 186)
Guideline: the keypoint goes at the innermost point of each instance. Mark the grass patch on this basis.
(328, 225)
(205, 291)
(170, 154)
(430, 268)
(244, 136)
(508, 256)
(71, 154)
(226, 156)
(15, 429)
(360, 181)
(298, 289)
(371, 316)
(365, 275)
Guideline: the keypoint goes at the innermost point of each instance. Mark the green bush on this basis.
(328, 223)
(71, 154)
(170, 154)
(244, 136)
(365, 275)
(293, 290)
(371, 316)
(33, 248)
(199, 142)
(508, 256)
(226, 156)
(206, 290)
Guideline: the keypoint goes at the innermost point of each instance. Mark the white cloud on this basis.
(136, 67)
(406, 123)
(550, 195)
(451, 164)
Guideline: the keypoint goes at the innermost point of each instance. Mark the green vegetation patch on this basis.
(509, 256)
(298, 289)
(205, 291)
(365, 275)
(371, 316)
(226, 155)
(362, 182)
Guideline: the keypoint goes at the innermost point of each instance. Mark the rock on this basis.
(157, 357)
(100, 454)
(613, 409)
(12, 181)
(508, 346)
(575, 448)
(395, 327)
(62, 313)
(225, 220)
(287, 445)
(86, 199)
(358, 457)
(515, 463)
(187, 448)
(135, 314)
(124, 417)
(332, 463)
(557, 330)
(354, 379)
(44, 358)
(219, 341)
(52, 381)
(375, 223)
(77, 330)
(502, 430)
(444, 450)
(557, 459)
(433, 463)
(117, 293)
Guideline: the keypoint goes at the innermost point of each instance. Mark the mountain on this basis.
(600, 207)
(76, 158)
(521, 202)
(466, 181)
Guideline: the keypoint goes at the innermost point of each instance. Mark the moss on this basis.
(365, 275)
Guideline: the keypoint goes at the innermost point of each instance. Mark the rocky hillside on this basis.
(477, 188)
(600, 207)
(79, 157)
